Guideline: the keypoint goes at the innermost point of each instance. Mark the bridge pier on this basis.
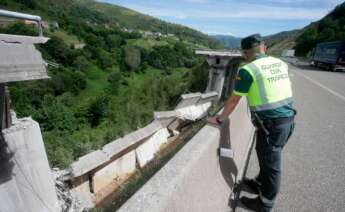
(220, 62)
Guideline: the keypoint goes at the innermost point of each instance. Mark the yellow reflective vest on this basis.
(271, 87)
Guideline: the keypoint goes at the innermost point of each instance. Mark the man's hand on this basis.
(228, 108)
(212, 120)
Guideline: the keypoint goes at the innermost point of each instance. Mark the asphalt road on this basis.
(314, 159)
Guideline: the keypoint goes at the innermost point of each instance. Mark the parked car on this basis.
(329, 55)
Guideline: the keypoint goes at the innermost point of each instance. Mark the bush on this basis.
(67, 80)
(115, 79)
(97, 110)
(132, 57)
(54, 115)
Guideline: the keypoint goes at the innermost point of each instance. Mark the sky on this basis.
(234, 17)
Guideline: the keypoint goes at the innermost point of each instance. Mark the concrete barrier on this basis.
(146, 152)
(197, 179)
(96, 175)
(26, 183)
(116, 170)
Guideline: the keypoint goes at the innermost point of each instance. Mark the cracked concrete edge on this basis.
(159, 191)
(97, 158)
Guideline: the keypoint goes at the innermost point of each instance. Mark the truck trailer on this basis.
(288, 53)
(329, 55)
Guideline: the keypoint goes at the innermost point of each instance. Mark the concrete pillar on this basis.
(219, 61)
(26, 182)
(217, 74)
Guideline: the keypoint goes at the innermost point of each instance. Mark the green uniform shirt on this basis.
(242, 85)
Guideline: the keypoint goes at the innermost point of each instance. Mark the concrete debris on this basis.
(68, 201)
(188, 100)
(165, 114)
(193, 113)
(165, 117)
(207, 97)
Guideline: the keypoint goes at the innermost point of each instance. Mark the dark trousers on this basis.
(269, 150)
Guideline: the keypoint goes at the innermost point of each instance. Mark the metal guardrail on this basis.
(23, 16)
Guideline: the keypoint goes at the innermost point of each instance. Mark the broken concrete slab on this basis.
(88, 162)
(208, 97)
(188, 100)
(160, 138)
(165, 117)
(194, 112)
(146, 151)
(165, 114)
(173, 126)
(120, 145)
(113, 171)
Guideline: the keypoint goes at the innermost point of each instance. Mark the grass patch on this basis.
(67, 38)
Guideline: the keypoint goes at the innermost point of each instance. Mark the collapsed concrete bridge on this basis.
(196, 179)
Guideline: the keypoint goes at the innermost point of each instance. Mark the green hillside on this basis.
(229, 41)
(329, 28)
(284, 40)
(110, 77)
(134, 20)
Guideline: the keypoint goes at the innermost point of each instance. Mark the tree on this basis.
(114, 41)
(56, 116)
(81, 63)
(115, 79)
(97, 110)
(29, 3)
(306, 42)
(56, 49)
(132, 57)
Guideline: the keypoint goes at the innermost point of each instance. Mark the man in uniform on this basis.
(264, 80)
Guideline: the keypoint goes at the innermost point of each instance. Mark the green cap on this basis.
(251, 41)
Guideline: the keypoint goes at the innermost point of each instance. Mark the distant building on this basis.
(158, 34)
(148, 34)
(129, 30)
(79, 45)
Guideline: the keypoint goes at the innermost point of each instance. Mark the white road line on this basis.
(321, 85)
